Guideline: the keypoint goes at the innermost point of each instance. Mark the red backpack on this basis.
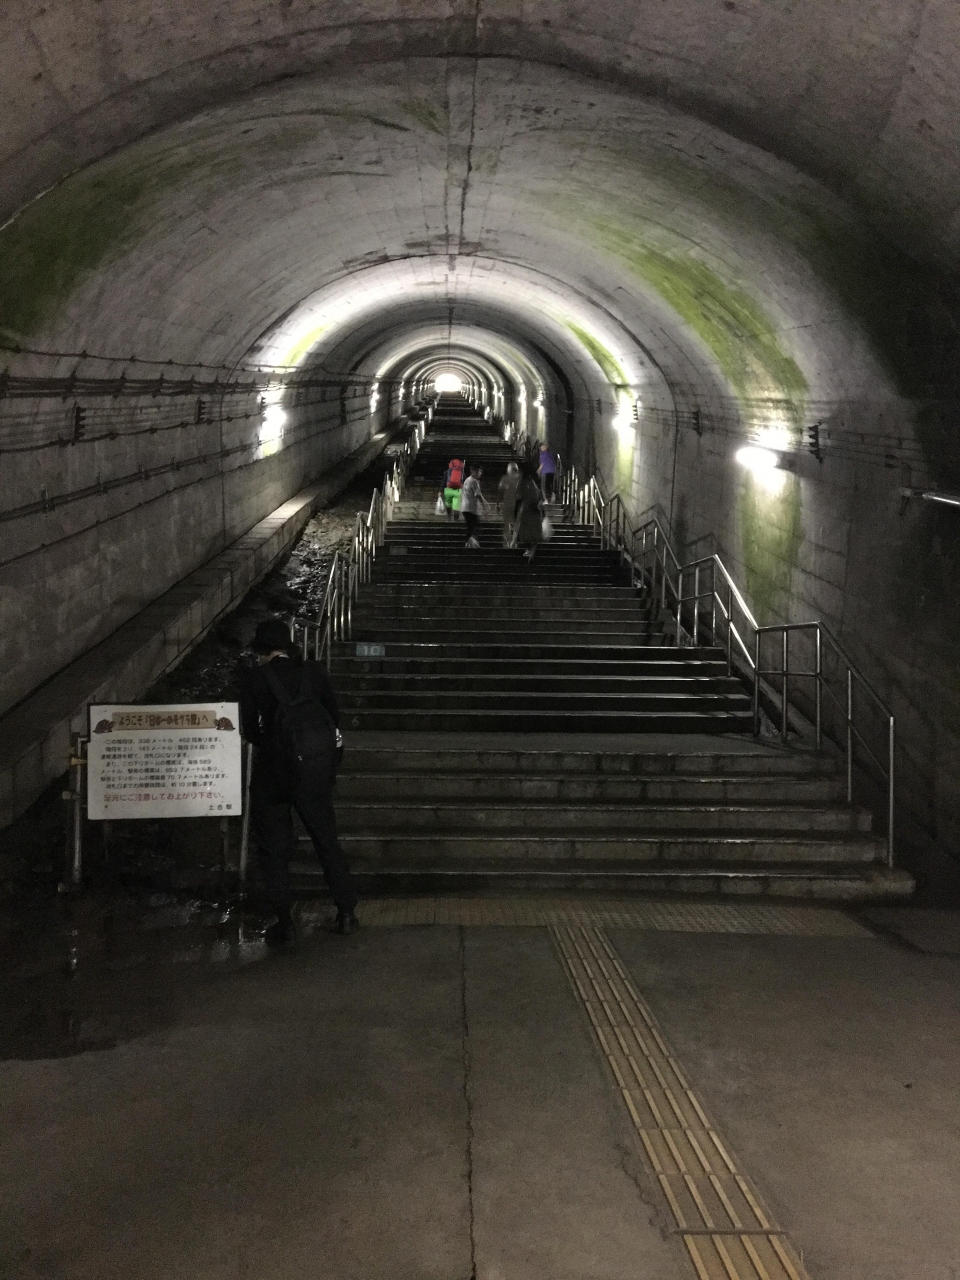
(455, 474)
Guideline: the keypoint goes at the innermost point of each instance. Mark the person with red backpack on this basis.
(289, 713)
(452, 485)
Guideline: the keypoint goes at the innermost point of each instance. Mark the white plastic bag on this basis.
(441, 507)
(546, 528)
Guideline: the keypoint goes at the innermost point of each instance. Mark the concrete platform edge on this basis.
(35, 735)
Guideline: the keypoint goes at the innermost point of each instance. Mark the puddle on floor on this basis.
(92, 972)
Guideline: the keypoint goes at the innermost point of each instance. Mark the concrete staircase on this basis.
(516, 725)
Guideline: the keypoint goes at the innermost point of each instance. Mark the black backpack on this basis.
(302, 738)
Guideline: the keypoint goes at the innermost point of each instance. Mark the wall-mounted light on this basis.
(766, 466)
(625, 419)
(271, 427)
(933, 495)
(757, 459)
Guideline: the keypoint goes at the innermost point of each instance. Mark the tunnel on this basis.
(254, 255)
(657, 244)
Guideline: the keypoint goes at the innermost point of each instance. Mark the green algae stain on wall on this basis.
(613, 371)
(616, 375)
(55, 242)
(731, 324)
(91, 218)
(426, 113)
(765, 379)
(771, 534)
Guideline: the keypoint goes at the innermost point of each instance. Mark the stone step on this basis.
(349, 668)
(483, 613)
(466, 564)
(428, 522)
(629, 821)
(478, 577)
(463, 847)
(542, 685)
(504, 635)
(468, 702)
(442, 531)
(496, 759)
(810, 882)
(573, 788)
(697, 719)
(627, 611)
(532, 651)
(492, 553)
(525, 590)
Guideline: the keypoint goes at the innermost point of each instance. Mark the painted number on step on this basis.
(371, 651)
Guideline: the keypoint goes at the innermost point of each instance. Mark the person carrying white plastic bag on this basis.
(470, 498)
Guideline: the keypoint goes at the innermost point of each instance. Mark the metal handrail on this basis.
(851, 679)
(702, 599)
(351, 569)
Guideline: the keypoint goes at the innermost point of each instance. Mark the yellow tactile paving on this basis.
(684, 917)
(728, 1232)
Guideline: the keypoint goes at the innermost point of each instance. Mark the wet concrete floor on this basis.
(429, 1102)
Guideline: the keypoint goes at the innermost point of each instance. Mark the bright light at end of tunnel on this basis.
(763, 465)
(447, 382)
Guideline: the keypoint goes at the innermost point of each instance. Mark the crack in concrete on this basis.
(465, 188)
(632, 1167)
(467, 1101)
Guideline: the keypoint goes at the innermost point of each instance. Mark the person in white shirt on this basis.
(470, 497)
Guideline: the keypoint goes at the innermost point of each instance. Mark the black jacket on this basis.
(258, 703)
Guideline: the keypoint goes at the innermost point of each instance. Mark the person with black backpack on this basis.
(289, 712)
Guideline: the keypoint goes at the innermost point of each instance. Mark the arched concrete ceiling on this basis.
(718, 258)
(863, 92)
(725, 265)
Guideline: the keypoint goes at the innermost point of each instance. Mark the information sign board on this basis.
(165, 761)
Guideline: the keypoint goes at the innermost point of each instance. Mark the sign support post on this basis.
(168, 761)
(245, 828)
(74, 834)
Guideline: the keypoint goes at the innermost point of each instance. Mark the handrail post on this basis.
(696, 606)
(679, 604)
(849, 736)
(756, 684)
(819, 687)
(784, 686)
(891, 750)
(729, 630)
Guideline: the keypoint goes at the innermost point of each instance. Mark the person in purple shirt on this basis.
(547, 471)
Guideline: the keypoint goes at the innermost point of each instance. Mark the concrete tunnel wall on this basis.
(718, 220)
(72, 575)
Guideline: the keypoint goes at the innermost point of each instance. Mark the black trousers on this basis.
(271, 823)
(471, 520)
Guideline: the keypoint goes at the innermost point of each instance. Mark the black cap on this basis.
(272, 635)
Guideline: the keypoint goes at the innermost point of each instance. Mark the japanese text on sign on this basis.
(164, 762)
